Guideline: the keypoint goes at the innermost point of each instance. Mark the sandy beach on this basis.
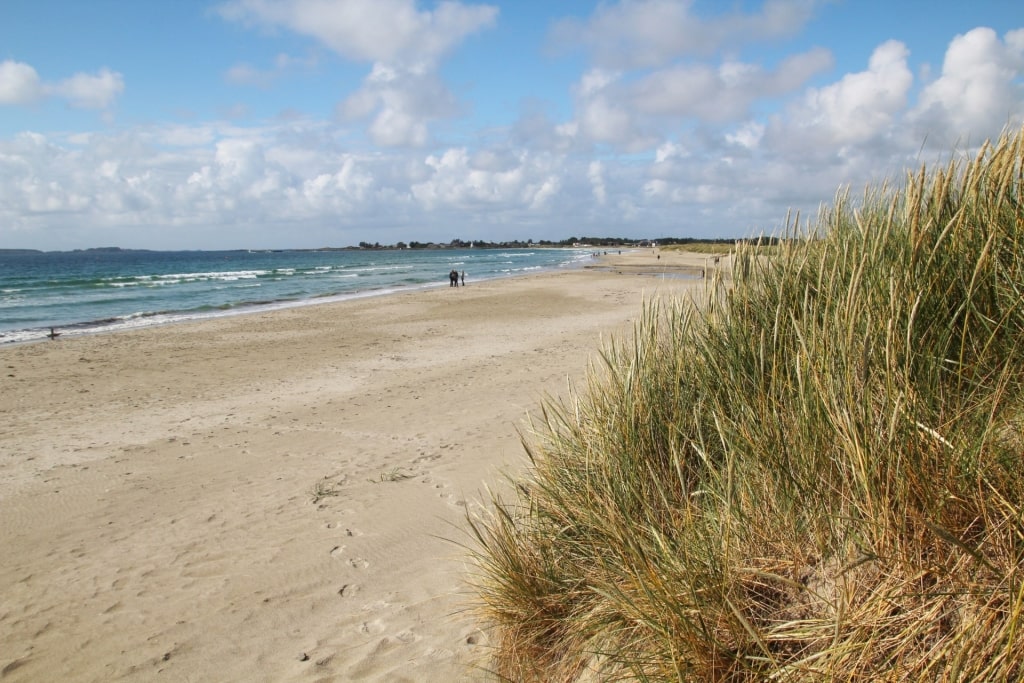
(280, 496)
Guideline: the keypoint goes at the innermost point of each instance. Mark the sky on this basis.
(222, 124)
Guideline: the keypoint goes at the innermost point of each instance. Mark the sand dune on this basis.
(279, 496)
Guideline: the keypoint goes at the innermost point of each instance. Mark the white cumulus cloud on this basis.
(402, 95)
(399, 104)
(19, 83)
(979, 86)
(859, 108)
(389, 31)
(646, 33)
(90, 91)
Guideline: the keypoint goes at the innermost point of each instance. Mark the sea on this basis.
(99, 290)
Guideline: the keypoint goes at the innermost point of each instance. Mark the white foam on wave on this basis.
(214, 275)
(374, 268)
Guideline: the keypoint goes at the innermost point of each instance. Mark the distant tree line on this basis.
(603, 242)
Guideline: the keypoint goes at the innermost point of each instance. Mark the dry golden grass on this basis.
(816, 477)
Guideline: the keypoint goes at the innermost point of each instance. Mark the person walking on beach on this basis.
(463, 278)
(453, 278)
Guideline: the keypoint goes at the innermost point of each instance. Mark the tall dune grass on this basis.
(819, 476)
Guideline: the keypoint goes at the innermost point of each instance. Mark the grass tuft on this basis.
(816, 477)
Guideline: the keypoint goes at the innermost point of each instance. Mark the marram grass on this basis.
(818, 477)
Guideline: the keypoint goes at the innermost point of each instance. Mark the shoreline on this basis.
(141, 320)
(281, 495)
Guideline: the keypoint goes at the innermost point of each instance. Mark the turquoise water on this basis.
(90, 291)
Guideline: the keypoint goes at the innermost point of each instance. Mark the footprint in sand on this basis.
(375, 626)
(449, 497)
(407, 636)
(349, 531)
(338, 553)
(349, 589)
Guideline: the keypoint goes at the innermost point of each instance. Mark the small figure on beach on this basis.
(53, 334)
(463, 278)
(453, 278)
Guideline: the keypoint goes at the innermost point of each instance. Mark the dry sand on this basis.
(280, 496)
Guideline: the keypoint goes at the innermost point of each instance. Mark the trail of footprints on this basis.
(348, 544)
(338, 552)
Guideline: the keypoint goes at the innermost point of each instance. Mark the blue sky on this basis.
(198, 124)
